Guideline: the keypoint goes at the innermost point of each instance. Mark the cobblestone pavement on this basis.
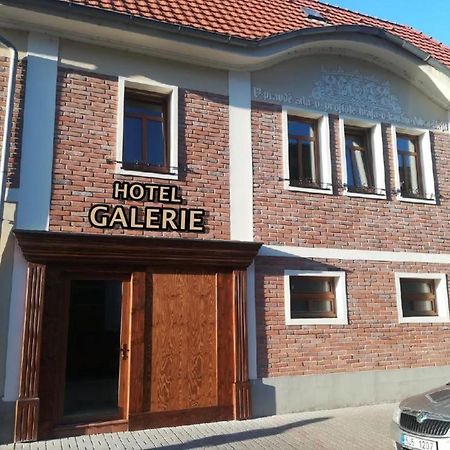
(365, 427)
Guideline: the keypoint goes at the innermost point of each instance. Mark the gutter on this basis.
(100, 16)
(8, 123)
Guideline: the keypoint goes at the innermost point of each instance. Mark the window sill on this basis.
(424, 319)
(309, 190)
(416, 200)
(145, 174)
(365, 195)
(317, 321)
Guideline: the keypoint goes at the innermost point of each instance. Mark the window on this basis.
(409, 166)
(418, 297)
(147, 143)
(145, 132)
(414, 177)
(422, 297)
(306, 149)
(358, 159)
(363, 171)
(315, 297)
(312, 297)
(304, 164)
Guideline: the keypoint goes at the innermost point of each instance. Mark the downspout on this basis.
(8, 123)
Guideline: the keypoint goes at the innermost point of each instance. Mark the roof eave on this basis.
(113, 18)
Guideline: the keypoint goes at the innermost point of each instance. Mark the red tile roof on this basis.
(259, 19)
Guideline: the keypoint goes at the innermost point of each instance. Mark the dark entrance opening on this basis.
(93, 349)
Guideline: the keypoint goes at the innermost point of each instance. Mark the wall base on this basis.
(281, 395)
(7, 414)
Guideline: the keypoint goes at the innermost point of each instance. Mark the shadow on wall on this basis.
(6, 267)
(241, 436)
(265, 269)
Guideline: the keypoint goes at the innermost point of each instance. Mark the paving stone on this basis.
(339, 429)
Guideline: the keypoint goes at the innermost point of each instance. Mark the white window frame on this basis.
(172, 93)
(426, 164)
(340, 293)
(377, 157)
(440, 285)
(323, 139)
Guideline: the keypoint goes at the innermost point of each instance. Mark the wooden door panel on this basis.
(183, 373)
(225, 336)
(53, 356)
(124, 370)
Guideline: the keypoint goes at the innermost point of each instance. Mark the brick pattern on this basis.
(85, 151)
(13, 174)
(318, 220)
(373, 339)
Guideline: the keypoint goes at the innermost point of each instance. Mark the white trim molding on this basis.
(241, 166)
(38, 132)
(172, 93)
(287, 251)
(16, 324)
(377, 159)
(426, 164)
(323, 139)
(440, 285)
(340, 298)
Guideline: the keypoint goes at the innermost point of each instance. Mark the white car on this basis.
(422, 422)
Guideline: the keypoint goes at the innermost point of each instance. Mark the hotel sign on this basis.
(164, 218)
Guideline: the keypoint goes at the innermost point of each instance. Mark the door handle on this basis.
(124, 350)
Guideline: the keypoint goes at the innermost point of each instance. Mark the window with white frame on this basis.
(362, 159)
(422, 297)
(306, 148)
(315, 297)
(148, 121)
(414, 178)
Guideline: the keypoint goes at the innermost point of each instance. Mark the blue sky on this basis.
(432, 17)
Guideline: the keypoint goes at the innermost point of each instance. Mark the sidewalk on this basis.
(365, 427)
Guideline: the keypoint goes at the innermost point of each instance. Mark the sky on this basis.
(432, 17)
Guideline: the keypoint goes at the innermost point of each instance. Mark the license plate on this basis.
(417, 443)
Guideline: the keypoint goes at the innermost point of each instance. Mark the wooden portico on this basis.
(182, 356)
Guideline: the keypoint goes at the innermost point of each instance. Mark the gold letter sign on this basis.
(147, 218)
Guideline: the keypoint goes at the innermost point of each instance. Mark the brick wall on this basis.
(13, 177)
(303, 219)
(85, 151)
(373, 338)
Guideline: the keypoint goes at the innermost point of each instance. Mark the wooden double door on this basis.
(135, 349)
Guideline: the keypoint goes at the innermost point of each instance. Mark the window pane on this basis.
(405, 144)
(362, 164)
(310, 285)
(155, 143)
(298, 128)
(416, 286)
(294, 173)
(132, 140)
(308, 162)
(408, 163)
(312, 297)
(321, 306)
(357, 153)
(353, 141)
(408, 174)
(422, 306)
(143, 108)
(299, 308)
(418, 297)
(349, 161)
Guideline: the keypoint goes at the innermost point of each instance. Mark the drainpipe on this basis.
(8, 122)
